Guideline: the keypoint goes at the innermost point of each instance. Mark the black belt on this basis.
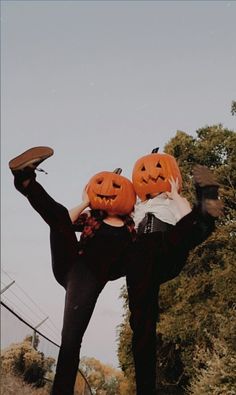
(150, 224)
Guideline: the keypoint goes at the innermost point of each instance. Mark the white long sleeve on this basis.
(166, 209)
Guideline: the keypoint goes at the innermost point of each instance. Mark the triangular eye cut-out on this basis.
(158, 165)
(143, 168)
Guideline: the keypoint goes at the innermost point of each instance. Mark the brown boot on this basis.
(203, 177)
(30, 158)
(214, 207)
(207, 191)
(23, 166)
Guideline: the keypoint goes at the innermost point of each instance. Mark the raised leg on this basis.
(70, 270)
(159, 257)
(192, 229)
(64, 245)
(176, 244)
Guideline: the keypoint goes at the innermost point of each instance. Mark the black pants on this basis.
(72, 272)
(154, 259)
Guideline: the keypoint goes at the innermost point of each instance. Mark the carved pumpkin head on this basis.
(151, 173)
(111, 192)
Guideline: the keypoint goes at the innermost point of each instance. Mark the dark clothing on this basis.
(84, 267)
(104, 252)
(154, 259)
(89, 224)
(150, 224)
(83, 275)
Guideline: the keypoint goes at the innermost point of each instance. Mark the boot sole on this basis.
(203, 177)
(30, 157)
(215, 208)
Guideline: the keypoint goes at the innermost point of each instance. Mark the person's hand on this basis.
(181, 202)
(174, 183)
(85, 197)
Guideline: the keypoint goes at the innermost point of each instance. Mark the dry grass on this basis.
(12, 385)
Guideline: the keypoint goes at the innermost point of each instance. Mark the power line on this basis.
(24, 292)
(7, 287)
(56, 333)
(12, 305)
(45, 337)
(29, 325)
(32, 320)
(24, 316)
(28, 307)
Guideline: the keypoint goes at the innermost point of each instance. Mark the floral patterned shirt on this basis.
(89, 223)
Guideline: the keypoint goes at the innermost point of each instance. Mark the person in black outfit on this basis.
(82, 268)
(107, 250)
(158, 255)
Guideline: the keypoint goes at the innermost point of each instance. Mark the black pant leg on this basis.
(64, 244)
(156, 258)
(82, 292)
(176, 243)
(143, 304)
(73, 272)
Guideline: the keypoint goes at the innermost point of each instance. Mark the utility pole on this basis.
(34, 332)
(6, 287)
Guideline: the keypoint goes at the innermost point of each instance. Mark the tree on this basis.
(197, 309)
(103, 379)
(233, 107)
(22, 359)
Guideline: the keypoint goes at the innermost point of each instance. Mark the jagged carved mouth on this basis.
(105, 198)
(153, 179)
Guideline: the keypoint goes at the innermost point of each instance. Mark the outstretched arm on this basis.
(76, 211)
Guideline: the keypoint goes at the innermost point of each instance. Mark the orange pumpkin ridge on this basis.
(111, 192)
(151, 174)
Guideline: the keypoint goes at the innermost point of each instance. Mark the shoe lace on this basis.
(41, 170)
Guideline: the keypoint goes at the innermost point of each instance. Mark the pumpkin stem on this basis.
(155, 150)
(118, 170)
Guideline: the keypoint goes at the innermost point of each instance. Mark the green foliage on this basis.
(215, 370)
(199, 304)
(197, 328)
(214, 147)
(21, 359)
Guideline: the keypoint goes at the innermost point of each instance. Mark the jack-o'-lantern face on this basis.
(152, 172)
(111, 192)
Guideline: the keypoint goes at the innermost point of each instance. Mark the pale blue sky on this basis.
(102, 82)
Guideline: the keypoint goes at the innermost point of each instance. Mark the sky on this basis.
(102, 83)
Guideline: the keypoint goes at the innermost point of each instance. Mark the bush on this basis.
(21, 359)
(10, 385)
